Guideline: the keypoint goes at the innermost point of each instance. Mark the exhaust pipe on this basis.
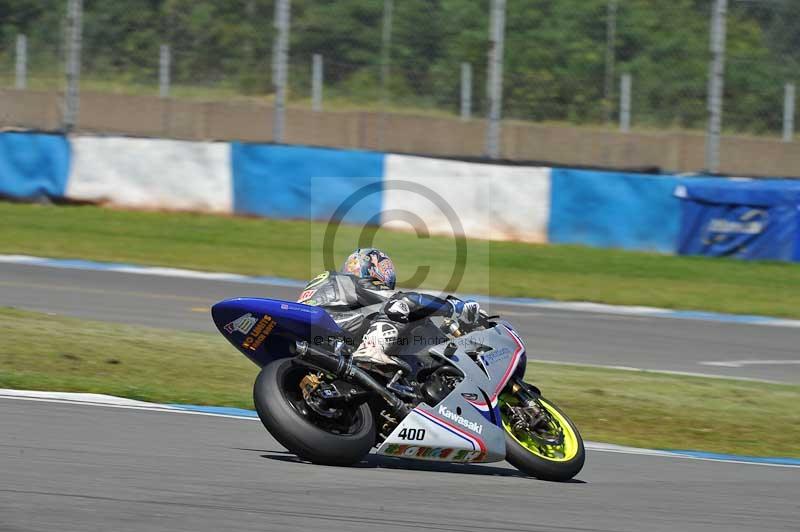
(345, 369)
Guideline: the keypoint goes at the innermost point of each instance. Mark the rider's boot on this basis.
(373, 352)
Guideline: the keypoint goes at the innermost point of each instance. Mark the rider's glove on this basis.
(467, 312)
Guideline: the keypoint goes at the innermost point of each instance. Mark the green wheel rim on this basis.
(554, 453)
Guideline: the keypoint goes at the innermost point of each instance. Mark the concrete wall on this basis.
(151, 116)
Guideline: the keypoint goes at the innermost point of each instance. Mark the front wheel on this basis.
(540, 439)
(343, 439)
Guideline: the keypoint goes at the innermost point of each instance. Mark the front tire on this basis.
(557, 464)
(284, 413)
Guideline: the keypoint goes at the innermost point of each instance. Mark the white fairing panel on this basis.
(419, 437)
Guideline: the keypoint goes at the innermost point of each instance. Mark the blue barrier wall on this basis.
(604, 209)
(33, 165)
(742, 219)
(299, 182)
(607, 209)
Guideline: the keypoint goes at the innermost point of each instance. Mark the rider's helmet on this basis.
(371, 263)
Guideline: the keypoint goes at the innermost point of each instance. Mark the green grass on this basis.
(292, 249)
(47, 352)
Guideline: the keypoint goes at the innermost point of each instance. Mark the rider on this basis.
(363, 301)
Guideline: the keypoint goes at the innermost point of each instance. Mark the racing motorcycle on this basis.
(458, 395)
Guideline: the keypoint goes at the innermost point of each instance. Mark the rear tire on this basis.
(279, 404)
(542, 468)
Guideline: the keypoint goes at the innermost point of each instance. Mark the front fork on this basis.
(525, 392)
(526, 414)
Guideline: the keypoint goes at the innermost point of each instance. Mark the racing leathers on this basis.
(376, 316)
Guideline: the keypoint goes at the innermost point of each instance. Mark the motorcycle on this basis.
(458, 395)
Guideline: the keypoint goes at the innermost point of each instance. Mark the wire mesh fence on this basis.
(564, 60)
(40, 26)
(763, 55)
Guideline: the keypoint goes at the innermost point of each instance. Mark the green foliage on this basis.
(554, 61)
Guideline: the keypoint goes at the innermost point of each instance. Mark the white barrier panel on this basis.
(152, 173)
(490, 201)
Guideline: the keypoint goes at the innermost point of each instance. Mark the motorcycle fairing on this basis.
(466, 425)
(266, 329)
(500, 365)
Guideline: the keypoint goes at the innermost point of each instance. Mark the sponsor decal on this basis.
(498, 355)
(433, 453)
(464, 422)
(723, 230)
(306, 295)
(296, 308)
(242, 324)
(752, 222)
(259, 333)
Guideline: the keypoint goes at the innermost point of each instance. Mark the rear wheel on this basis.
(540, 439)
(343, 439)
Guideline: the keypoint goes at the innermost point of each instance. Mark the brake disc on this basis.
(528, 419)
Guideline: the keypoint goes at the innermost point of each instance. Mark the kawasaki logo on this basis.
(471, 425)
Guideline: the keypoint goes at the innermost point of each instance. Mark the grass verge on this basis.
(292, 249)
(45, 352)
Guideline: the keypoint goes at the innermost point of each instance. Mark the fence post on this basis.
(280, 72)
(316, 82)
(495, 80)
(386, 59)
(22, 62)
(611, 39)
(788, 112)
(164, 60)
(625, 103)
(466, 91)
(73, 70)
(716, 81)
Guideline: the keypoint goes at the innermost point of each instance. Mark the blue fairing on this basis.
(265, 329)
(521, 366)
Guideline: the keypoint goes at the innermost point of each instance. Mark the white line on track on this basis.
(742, 363)
(659, 371)
(108, 401)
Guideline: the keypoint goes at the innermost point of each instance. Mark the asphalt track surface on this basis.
(67, 467)
(75, 467)
(556, 335)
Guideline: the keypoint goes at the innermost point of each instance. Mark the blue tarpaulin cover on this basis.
(33, 165)
(748, 219)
